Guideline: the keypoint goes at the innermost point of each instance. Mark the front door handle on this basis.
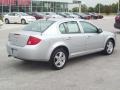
(68, 38)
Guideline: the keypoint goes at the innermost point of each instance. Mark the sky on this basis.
(94, 2)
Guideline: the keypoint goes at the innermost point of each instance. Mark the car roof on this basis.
(64, 19)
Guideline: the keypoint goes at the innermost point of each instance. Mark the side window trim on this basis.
(64, 28)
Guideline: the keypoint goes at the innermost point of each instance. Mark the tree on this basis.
(84, 8)
(103, 8)
(75, 9)
(90, 9)
(107, 9)
(114, 8)
(97, 8)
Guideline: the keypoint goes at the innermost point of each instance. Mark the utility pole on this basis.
(78, 2)
(17, 6)
(80, 7)
(9, 5)
(118, 6)
(31, 6)
(2, 7)
(99, 8)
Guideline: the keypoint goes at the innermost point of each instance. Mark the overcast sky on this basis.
(94, 2)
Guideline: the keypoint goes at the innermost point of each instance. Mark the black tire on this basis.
(117, 26)
(106, 50)
(53, 60)
(7, 21)
(23, 21)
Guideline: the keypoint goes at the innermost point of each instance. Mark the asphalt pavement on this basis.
(91, 72)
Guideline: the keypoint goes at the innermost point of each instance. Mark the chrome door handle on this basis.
(89, 36)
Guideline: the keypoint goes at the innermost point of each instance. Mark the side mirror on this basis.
(99, 30)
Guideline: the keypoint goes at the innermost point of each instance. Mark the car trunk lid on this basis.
(21, 38)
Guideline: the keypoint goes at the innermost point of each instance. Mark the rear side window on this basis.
(39, 26)
(72, 27)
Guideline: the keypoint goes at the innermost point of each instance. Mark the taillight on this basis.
(33, 40)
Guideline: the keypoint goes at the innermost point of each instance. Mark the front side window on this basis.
(39, 26)
(88, 28)
(72, 27)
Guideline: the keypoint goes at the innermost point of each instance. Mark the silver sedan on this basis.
(56, 41)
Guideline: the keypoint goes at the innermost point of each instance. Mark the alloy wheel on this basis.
(59, 59)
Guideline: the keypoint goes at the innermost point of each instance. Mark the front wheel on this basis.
(23, 21)
(58, 59)
(109, 48)
(7, 21)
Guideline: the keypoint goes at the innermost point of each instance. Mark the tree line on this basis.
(113, 8)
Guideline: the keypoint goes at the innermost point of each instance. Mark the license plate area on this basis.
(14, 52)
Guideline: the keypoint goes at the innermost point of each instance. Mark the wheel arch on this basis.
(23, 19)
(63, 47)
(57, 47)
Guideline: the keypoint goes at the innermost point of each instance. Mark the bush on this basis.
(1, 17)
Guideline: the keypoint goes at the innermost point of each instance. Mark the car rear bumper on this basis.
(117, 25)
(26, 53)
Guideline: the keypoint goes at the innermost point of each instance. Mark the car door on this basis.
(17, 18)
(11, 17)
(73, 37)
(94, 40)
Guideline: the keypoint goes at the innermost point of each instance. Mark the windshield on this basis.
(39, 26)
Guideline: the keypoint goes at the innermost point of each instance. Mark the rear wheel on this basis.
(58, 59)
(23, 21)
(7, 21)
(109, 48)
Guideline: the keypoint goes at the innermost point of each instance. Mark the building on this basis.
(50, 5)
(35, 5)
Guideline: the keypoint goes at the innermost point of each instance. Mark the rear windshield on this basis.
(39, 26)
